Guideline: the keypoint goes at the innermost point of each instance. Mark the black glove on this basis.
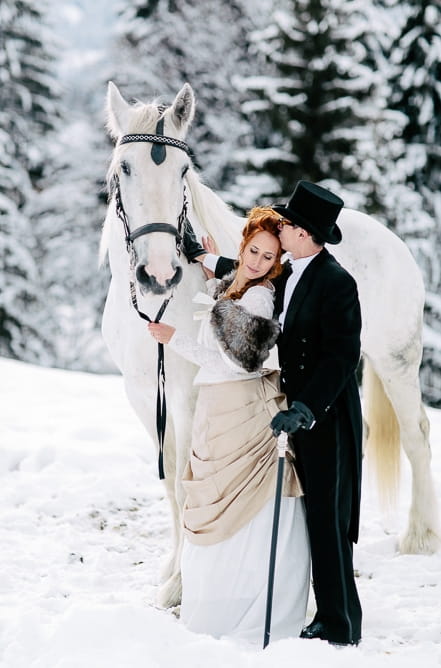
(190, 245)
(298, 416)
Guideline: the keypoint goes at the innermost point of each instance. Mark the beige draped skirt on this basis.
(231, 473)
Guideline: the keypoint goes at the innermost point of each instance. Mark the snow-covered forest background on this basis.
(342, 92)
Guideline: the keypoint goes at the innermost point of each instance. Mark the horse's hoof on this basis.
(169, 594)
(176, 611)
(421, 542)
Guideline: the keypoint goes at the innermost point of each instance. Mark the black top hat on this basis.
(315, 209)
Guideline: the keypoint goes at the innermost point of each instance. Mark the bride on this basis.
(230, 478)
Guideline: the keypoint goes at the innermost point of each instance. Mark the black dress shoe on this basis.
(318, 630)
(313, 630)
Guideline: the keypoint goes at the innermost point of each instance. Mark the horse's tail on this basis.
(382, 444)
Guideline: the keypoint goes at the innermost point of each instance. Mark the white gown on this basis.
(224, 585)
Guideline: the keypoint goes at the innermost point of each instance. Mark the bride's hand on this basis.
(161, 332)
(209, 245)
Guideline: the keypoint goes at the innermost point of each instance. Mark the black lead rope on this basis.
(161, 405)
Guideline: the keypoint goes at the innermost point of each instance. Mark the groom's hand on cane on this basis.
(298, 416)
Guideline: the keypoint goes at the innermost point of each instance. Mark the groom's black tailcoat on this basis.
(319, 351)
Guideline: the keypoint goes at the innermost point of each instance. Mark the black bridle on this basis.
(159, 142)
(148, 228)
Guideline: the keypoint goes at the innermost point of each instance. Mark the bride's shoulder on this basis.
(269, 286)
(259, 296)
(265, 286)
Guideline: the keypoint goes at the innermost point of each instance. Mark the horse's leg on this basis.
(423, 532)
(142, 397)
(169, 592)
(401, 384)
(181, 402)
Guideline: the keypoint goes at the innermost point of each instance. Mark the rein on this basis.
(158, 154)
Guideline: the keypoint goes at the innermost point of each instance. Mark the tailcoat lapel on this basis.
(279, 284)
(302, 288)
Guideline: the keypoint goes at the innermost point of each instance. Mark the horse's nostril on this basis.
(142, 273)
(177, 276)
(157, 284)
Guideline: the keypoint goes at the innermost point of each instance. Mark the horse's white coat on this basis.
(389, 282)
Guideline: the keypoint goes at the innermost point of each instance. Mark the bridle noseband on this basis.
(158, 153)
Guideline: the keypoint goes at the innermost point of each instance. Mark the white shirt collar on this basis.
(300, 263)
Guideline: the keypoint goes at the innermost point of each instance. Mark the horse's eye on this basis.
(184, 170)
(125, 167)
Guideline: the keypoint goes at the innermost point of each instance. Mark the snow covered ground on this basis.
(84, 526)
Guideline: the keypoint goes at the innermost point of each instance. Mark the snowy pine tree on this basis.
(70, 207)
(52, 171)
(417, 95)
(311, 113)
(28, 110)
(69, 211)
(163, 44)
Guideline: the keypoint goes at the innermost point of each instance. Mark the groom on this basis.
(318, 309)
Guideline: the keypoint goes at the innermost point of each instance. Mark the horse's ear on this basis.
(182, 109)
(117, 109)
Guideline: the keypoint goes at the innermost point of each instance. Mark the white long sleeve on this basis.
(210, 261)
(193, 351)
(206, 352)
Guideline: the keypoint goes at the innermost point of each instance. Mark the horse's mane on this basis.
(216, 217)
(143, 118)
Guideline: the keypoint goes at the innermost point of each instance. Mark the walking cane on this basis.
(282, 444)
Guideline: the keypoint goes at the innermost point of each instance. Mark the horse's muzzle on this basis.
(149, 284)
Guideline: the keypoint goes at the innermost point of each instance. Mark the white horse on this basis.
(149, 183)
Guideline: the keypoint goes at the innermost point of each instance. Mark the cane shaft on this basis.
(273, 551)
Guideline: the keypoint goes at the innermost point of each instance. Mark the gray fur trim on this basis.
(245, 338)
(224, 284)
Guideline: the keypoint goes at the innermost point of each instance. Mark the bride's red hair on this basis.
(260, 219)
(263, 219)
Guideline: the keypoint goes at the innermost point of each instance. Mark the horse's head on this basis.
(147, 179)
